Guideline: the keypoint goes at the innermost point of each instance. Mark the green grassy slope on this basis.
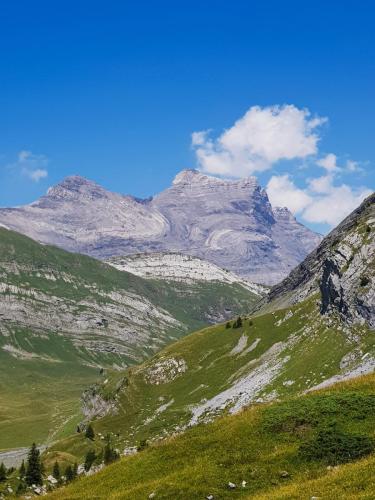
(262, 445)
(219, 370)
(63, 315)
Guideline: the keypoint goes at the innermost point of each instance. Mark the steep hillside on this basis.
(63, 316)
(319, 445)
(229, 223)
(276, 353)
(341, 269)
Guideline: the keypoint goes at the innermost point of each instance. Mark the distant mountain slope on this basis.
(181, 268)
(229, 223)
(296, 343)
(64, 315)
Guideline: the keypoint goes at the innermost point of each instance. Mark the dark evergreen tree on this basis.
(3, 472)
(89, 460)
(142, 445)
(22, 470)
(34, 467)
(56, 471)
(75, 470)
(110, 455)
(69, 475)
(21, 488)
(228, 325)
(90, 434)
(238, 322)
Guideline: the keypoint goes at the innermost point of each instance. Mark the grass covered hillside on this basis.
(221, 369)
(65, 316)
(321, 444)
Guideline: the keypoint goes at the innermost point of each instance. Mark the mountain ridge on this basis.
(226, 222)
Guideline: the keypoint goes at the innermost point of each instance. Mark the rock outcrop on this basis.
(341, 269)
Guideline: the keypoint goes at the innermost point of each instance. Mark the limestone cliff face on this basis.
(228, 223)
(341, 269)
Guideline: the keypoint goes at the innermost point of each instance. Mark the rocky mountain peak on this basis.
(229, 223)
(75, 187)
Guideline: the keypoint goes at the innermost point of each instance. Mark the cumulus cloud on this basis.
(264, 136)
(320, 202)
(258, 140)
(282, 192)
(329, 162)
(30, 165)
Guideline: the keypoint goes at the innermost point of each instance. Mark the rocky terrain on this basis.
(181, 268)
(228, 223)
(315, 330)
(341, 269)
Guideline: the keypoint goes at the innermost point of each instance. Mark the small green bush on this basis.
(237, 323)
(143, 444)
(335, 447)
(364, 281)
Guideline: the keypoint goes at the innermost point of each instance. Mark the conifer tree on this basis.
(34, 467)
(110, 455)
(90, 432)
(3, 472)
(69, 475)
(56, 471)
(22, 470)
(75, 470)
(237, 323)
(89, 460)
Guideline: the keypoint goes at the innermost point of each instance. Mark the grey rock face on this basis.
(229, 223)
(341, 270)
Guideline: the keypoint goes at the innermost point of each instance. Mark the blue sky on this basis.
(114, 91)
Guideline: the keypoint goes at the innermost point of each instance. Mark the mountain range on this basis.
(229, 223)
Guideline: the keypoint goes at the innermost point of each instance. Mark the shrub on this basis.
(89, 460)
(143, 444)
(3, 472)
(335, 447)
(364, 281)
(238, 323)
(90, 434)
(228, 325)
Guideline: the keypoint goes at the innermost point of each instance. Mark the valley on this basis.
(66, 317)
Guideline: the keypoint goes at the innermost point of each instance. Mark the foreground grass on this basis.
(261, 446)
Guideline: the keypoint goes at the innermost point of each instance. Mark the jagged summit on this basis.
(230, 223)
(75, 186)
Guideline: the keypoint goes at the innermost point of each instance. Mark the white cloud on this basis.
(353, 166)
(282, 192)
(258, 140)
(36, 175)
(320, 202)
(321, 184)
(31, 165)
(329, 162)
